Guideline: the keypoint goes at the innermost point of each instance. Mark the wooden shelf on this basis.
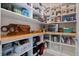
(61, 33)
(7, 39)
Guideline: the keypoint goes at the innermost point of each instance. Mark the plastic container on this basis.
(25, 12)
(17, 10)
(7, 6)
(68, 30)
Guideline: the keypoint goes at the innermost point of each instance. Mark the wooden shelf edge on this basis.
(5, 39)
(61, 33)
(19, 37)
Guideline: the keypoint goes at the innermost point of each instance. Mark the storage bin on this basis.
(18, 49)
(22, 48)
(17, 10)
(68, 30)
(8, 51)
(7, 6)
(25, 12)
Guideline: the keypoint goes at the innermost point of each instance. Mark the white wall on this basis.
(77, 30)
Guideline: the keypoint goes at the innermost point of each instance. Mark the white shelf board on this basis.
(68, 45)
(63, 22)
(18, 17)
(61, 43)
(57, 53)
(69, 13)
(61, 33)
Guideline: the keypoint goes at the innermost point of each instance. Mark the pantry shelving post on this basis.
(16, 18)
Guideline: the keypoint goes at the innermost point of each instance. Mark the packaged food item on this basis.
(58, 19)
(58, 13)
(15, 29)
(68, 30)
(7, 49)
(4, 28)
(41, 48)
(7, 6)
(17, 10)
(60, 29)
(25, 12)
(29, 4)
(65, 18)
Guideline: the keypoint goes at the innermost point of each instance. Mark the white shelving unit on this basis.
(56, 48)
(16, 18)
(29, 37)
(59, 48)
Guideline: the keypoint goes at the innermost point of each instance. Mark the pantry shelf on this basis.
(7, 39)
(61, 43)
(17, 18)
(62, 22)
(57, 53)
(52, 27)
(69, 13)
(61, 33)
